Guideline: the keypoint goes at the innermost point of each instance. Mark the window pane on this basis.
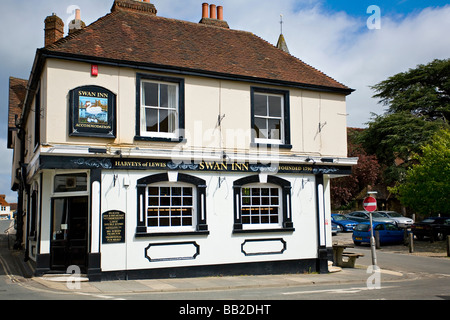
(153, 201)
(260, 105)
(151, 120)
(164, 91)
(153, 212)
(71, 183)
(165, 201)
(275, 107)
(187, 201)
(187, 191)
(256, 192)
(176, 201)
(274, 129)
(172, 118)
(165, 191)
(261, 128)
(164, 121)
(150, 94)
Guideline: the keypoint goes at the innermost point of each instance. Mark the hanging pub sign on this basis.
(92, 112)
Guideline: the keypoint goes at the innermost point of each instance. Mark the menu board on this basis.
(113, 227)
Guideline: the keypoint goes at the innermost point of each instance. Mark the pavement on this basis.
(17, 271)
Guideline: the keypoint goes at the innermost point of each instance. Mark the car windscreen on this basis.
(338, 218)
(362, 227)
(377, 215)
(395, 214)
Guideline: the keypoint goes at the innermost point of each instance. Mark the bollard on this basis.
(377, 239)
(448, 246)
(411, 243)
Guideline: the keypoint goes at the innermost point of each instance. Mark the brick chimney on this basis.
(135, 5)
(215, 17)
(77, 24)
(54, 29)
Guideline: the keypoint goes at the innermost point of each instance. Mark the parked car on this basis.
(362, 216)
(335, 228)
(437, 227)
(346, 224)
(402, 222)
(388, 233)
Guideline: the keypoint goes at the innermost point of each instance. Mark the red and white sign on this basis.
(370, 204)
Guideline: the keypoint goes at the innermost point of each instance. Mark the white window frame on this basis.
(171, 229)
(268, 117)
(256, 226)
(143, 119)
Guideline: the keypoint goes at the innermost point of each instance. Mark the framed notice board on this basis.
(113, 225)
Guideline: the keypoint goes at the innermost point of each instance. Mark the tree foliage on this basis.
(423, 91)
(393, 138)
(366, 172)
(427, 184)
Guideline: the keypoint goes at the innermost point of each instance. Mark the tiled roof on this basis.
(143, 38)
(3, 202)
(17, 92)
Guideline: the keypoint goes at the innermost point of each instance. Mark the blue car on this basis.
(389, 233)
(346, 224)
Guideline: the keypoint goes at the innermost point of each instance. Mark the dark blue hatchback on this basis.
(389, 233)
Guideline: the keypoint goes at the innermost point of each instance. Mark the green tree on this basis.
(423, 91)
(418, 104)
(393, 138)
(426, 189)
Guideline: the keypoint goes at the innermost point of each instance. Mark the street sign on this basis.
(370, 204)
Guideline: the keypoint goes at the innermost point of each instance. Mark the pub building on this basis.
(150, 147)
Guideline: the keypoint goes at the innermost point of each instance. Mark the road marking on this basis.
(99, 296)
(349, 290)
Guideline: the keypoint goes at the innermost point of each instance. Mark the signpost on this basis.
(370, 205)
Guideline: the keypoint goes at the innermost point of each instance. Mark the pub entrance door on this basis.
(69, 241)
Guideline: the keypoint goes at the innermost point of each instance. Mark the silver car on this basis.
(402, 222)
(363, 216)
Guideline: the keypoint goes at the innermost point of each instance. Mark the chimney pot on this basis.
(213, 12)
(220, 12)
(76, 24)
(77, 14)
(205, 10)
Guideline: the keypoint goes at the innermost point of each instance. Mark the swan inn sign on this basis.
(61, 162)
(92, 112)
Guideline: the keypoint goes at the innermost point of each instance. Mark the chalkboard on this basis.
(113, 227)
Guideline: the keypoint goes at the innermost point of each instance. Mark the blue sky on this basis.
(330, 35)
(393, 7)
